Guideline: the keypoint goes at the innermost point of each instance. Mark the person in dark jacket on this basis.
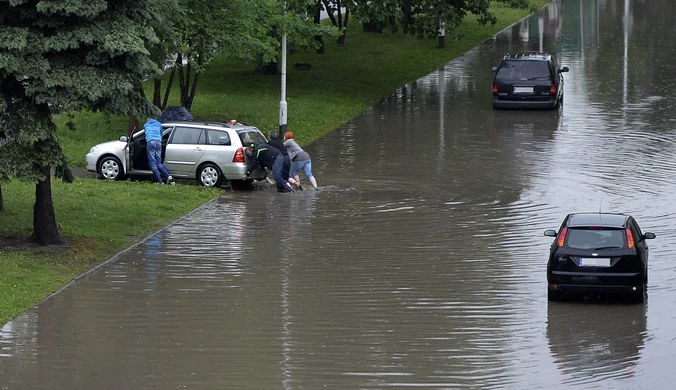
(277, 143)
(266, 156)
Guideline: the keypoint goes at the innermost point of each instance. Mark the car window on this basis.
(251, 136)
(218, 137)
(522, 69)
(186, 135)
(595, 238)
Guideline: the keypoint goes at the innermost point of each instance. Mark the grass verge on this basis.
(101, 218)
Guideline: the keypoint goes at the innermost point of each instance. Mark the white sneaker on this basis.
(170, 180)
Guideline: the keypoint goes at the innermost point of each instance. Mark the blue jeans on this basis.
(278, 175)
(304, 165)
(154, 151)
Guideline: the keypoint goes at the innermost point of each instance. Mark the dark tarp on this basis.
(173, 114)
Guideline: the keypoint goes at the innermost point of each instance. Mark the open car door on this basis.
(137, 158)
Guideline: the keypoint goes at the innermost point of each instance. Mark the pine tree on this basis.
(58, 56)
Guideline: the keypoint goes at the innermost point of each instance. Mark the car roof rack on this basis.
(541, 55)
(205, 123)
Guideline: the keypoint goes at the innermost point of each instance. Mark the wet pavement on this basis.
(420, 262)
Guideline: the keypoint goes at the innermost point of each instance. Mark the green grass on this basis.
(101, 218)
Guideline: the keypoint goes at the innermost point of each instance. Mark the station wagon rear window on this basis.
(523, 70)
(251, 136)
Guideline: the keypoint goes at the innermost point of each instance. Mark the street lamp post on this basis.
(442, 35)
(282, 102)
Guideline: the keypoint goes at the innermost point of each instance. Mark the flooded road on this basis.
(420, 262)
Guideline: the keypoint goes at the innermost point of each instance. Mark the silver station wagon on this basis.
(210, 153)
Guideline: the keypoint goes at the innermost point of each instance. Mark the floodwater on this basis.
(420, 262)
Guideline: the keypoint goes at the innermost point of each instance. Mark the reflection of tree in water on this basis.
(591, 342)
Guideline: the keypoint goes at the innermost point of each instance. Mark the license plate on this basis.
(594, 262)
(523, 89)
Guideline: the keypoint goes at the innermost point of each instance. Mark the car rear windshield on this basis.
(595, 238)
(249, 137)
(523, 70)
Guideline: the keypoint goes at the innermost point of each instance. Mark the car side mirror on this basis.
(564, 69)
(494, 69)
(124, 138)
(649, 235)
(550, 233)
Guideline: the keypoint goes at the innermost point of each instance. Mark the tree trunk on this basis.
(343, 24)
(157, 91)
(317, 19)
(168, 90)
(193, 90)
(45, 231)
(181, 79)
(132, 124)
(329, 12)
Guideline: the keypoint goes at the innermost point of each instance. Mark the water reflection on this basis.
(594, 342)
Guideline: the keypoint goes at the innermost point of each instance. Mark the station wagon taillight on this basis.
(562, 236)
(495, 89)
(552, 89)
(239, 156)
(630, 238)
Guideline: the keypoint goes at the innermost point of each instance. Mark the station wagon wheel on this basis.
(209, 175)
(110, 168)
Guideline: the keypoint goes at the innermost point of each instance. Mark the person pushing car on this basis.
(267, 156)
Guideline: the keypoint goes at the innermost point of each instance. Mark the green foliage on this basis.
(422, 18)
(79, 54)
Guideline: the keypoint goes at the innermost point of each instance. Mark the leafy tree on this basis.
(66, 55)
(339, 14)
(418, 17)
(244, 29)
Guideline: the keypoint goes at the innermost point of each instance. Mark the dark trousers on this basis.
(277, 174)
(286, 170)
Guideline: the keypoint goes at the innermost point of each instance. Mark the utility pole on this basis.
(442, 35)
(282, 102)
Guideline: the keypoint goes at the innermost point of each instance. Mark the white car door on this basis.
(184, 150)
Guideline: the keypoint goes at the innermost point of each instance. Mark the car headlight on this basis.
(92, 149)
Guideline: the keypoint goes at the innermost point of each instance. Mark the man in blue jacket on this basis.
(153, 131)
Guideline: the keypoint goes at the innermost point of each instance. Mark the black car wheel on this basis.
(209, 175)
(553, 296)
(110, 168)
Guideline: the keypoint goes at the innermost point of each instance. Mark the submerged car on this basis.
(210, 153)
(531, 80)
(598, 253)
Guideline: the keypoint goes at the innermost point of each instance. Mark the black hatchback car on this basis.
(531, 80)
(598, 253)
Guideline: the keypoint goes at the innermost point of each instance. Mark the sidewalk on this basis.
(79, 172)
